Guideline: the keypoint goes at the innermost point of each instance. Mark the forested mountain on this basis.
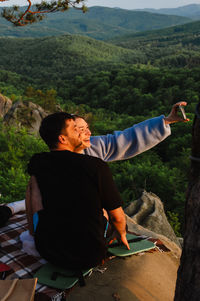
(50, 58)
(99, 23)
(191, 11)
(177, 46)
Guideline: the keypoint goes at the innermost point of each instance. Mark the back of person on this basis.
(74, 190)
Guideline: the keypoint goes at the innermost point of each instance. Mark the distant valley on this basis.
(99, 22)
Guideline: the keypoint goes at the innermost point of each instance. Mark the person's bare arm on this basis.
(118, 219)
(33, 202)
(29, 211)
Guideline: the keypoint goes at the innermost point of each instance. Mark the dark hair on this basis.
(78, 116)
(51, 127)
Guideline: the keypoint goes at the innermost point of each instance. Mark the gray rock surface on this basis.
(148, 211)
(5, 105)
(26, 114)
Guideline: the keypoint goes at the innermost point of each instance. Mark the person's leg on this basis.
(7, 210)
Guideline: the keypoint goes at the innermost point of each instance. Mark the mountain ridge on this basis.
(99, 22)
(177, 46)
(190, 11)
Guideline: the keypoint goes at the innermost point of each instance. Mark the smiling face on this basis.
(84, 132)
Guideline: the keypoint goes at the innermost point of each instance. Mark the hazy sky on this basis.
(132, 4)
(127, 4)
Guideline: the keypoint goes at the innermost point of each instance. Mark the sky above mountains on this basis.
(134, 4)
(126, 4)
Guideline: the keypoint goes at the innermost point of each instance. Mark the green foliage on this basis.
(16, 148)
(176, 46)
(148, 172)
(11, 84)
(135, 90)
(173, 219)
(60, 59)
(46, 99)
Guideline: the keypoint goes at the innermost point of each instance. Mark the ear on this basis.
(62, 139)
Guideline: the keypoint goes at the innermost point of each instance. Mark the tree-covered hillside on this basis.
(99, 23)
(57, 58)
(177, 46)
(54, 59)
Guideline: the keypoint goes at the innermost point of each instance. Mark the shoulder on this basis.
(36, 161)
(40, 156)
(95, 163)
(94, 160)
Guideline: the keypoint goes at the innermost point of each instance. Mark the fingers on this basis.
(125, 241)
(180, 103)
(175, 107)
(180, 107)
(173, 115)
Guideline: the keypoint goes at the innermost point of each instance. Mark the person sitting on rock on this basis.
(74, 189)
(120, 145)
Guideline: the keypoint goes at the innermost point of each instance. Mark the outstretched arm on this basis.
(137, 139)
(126, 144)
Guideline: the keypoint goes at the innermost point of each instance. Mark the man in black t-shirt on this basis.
(74, 189)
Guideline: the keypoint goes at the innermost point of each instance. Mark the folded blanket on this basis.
(22, 265)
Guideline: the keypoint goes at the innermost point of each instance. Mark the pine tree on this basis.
(32, 13)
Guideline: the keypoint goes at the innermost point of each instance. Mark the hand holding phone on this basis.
(174, 116)
(182, 110)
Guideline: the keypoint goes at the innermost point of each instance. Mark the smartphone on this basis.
(181, 108)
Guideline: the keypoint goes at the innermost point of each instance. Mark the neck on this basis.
(61, 147)
(79, 151)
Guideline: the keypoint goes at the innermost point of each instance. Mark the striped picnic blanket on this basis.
(22, 265)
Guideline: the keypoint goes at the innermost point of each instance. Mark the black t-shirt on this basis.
(74, 190)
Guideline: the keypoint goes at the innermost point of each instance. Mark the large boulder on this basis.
(5, 105)
(27, 114)
(148, 211)
(148, 277)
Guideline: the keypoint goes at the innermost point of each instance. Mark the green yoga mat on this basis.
(57, 277)
(135, 247)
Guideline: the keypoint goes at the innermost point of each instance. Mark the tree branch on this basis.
(37, 12)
